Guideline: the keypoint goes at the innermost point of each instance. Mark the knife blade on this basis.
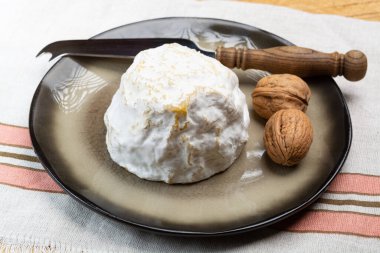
(112, 48)
(300, 61)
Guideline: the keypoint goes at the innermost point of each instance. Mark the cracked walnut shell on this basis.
(282, 91)
(288, 136)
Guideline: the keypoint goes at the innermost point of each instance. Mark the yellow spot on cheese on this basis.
(180, 111)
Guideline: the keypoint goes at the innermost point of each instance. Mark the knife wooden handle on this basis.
(295, 60)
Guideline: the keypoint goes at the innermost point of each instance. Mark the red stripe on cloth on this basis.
(333, 222)
(27, 179)
(13, 135)
(355, 183)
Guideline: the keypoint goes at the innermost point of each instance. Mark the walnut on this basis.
(287, 137)
(276, 92)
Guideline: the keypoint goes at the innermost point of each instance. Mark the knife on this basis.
(295, 60)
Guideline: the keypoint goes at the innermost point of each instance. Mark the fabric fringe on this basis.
(19, 248)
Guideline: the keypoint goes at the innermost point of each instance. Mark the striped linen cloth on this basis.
(36, 215)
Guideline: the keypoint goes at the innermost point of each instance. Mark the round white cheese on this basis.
(178, 116)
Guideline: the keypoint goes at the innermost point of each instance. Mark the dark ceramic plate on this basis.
(68, 134)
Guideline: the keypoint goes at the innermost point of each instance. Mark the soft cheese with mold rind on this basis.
(178, 116)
